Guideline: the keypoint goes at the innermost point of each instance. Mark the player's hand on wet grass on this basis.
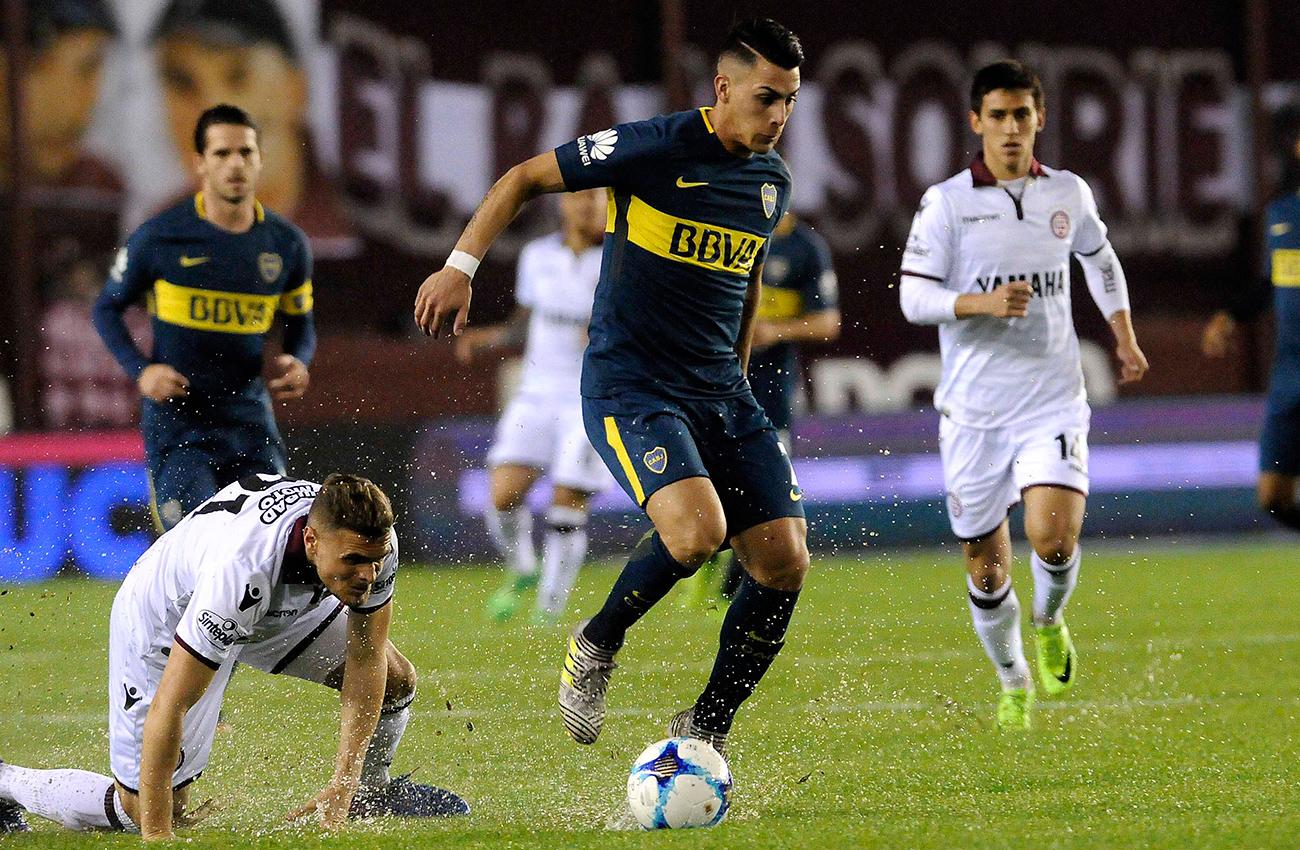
(330, 806)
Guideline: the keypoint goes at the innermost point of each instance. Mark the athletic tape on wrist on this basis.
(464, 262)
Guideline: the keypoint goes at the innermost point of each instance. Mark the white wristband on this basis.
(463, 262)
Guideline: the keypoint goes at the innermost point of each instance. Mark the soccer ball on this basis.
(679, 783)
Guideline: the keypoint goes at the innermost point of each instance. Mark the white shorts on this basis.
(546, 433)
(986, 469)
(313, 647)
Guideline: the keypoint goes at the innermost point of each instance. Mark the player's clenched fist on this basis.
(443, 302)
(1009, 301)
(161, 382)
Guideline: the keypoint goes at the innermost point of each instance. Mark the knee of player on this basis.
(1055, 550)
(401, 677)
(1275, 501)
(694, 545)
(781, 567)
(988, 577)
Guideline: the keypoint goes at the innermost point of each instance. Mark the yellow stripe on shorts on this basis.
(615, 441)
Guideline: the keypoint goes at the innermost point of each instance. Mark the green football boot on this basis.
(1015, 707)
(1057, 662)
(503, 604)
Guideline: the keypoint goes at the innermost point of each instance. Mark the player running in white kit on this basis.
(988, 261)
(287, 576)
(541, 430)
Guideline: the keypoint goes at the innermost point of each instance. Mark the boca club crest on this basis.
(768, 193)
(656, 460)
(270, 265)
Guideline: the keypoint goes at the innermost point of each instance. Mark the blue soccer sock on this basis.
(650, 573)
(753, 632)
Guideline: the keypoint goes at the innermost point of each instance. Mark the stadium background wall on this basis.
(78, 503)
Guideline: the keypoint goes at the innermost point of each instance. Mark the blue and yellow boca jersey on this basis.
(1282, 267)
(798, 279)
(688, 221)
(213, 296)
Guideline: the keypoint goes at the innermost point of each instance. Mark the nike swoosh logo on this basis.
(683, 183)
(186, 262)
(1065, 675)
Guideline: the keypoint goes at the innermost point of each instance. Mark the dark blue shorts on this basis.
(1279, 442)
(192, 454)
(649, 442)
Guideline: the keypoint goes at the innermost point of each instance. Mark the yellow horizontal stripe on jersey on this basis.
(1286, 267)
(708, 246)
(213, 310)
(777, 303)
(297, 302)
(615, 441)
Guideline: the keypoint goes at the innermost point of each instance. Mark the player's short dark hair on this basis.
(764, 37)
(222, 113)
(352, 503)
(1008, 74)
(49, 19)
(238, 23)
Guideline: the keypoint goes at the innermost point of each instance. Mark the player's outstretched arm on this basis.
(444, 297)
(184, 680)
(365, 672)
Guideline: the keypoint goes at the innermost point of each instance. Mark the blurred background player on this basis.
(215, 270)
(241, 52)
(695, 196)
(988, 261)
(302, 589)
(1279, 440)
(541, 430)
(800, 304)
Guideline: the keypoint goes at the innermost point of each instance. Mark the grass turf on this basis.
(872, 730)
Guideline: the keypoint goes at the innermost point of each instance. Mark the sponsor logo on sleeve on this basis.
(222, 631)
(597, 146)
(133, 696)
(384, 583)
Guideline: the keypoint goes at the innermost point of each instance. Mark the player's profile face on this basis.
(757, 100)
(230, 163)
(1008, 122)
(347, 562)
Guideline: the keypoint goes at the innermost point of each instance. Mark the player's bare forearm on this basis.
(745, 339)
(444, 297)
(1121, 325)
(822, 326)
(183, 681)
(364, 675)
(1133, 363)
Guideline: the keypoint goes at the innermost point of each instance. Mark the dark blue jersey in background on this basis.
(213, 296)
(1282, 267)
(798, 279)
(688, 221)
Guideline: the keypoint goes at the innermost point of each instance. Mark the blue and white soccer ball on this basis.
(679, 783)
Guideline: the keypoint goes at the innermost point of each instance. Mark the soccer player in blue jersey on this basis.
(215, 270)
(1279, 441)
(693, 200)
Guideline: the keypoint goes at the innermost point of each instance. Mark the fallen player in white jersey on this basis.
(988, 261)
(290, 577)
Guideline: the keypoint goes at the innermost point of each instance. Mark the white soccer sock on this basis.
(78, 799)
(512, 532)
(563, 550)
(1053, 585)
(383, 744)
(997, 622)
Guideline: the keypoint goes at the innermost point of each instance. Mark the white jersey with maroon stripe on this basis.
(235, 572)
(971, 235)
